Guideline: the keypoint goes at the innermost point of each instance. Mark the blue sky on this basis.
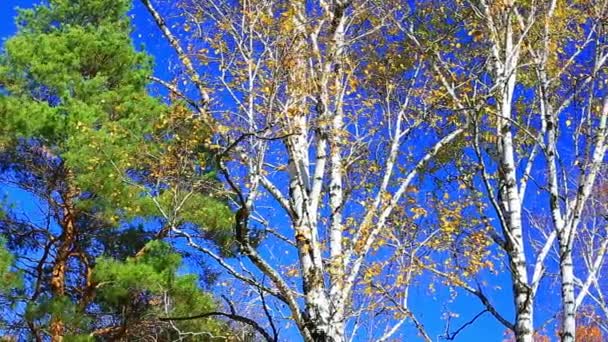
(428, 307)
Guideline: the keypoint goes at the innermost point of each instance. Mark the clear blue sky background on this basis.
(426, 306)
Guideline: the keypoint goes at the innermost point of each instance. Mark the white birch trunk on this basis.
(512, 204)
(568, 330)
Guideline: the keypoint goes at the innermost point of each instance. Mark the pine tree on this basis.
(76, 119)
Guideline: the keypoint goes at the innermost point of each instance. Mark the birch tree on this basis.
(321, 105)
(494, 44)
(542, 30)
(568, 88)
(534, 57)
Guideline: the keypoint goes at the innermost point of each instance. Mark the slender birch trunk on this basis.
(568, 330)
(506, 68)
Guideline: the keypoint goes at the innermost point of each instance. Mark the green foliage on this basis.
(151, 278)
(60, 13)
(60, 307)
(9, 279)
(205, 211)
(153, 272)
(78, 88)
